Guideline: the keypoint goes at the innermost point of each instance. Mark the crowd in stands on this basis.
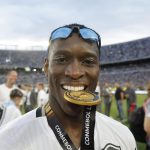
(32, 77)
(21, 59)
(134, 50)
(138, 77)
(138, 73)
(27, 77)
(124, 52)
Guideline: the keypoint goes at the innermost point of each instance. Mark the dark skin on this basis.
(72, 62)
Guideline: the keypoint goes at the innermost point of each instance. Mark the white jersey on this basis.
(5, 93)
(31, 133)
(9, 113)
(42, 98)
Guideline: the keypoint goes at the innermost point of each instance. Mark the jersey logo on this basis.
(111, 147)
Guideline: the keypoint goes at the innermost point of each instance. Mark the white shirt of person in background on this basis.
(7, 87)
(42, 97)
(98, 90)
(10, 109)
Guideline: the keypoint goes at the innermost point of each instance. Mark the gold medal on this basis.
(85, 98)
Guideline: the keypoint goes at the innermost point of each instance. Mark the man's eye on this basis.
(89, 61)
(60, 60)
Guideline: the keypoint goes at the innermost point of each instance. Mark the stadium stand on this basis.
(127, 61)
(128, 51)
(122, 62)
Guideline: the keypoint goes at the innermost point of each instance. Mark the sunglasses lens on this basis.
(89, 34)
(86, 33)
(61, 33)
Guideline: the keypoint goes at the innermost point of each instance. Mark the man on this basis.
(130, 95)
(33, 96)
(7, 87)
(119, 96)
(69, 120)
(27, 104)
(147, 117)
(107, 96)
(98, 92)
(42, 97)
(10, 110)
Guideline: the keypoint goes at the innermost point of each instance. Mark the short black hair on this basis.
(16, 93)
(75, 25)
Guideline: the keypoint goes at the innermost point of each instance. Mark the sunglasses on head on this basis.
(85, 33)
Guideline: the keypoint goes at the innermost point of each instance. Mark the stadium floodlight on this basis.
(34, 69)
(27, 69)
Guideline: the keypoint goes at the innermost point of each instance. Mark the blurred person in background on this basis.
(8, 86)
(27, 104)
(42, 96)
(147, 117)
(107, 98)
(22, 88)
(130, 96)
(98, 92)
(33, 96)
(119, 96)
(10, 110)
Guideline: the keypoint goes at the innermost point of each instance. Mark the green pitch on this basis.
(114, 113)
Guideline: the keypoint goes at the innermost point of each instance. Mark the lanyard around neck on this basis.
(87, 142)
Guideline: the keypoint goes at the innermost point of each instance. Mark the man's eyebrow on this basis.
(62, 52)
(89, 53)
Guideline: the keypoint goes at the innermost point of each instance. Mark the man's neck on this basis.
(72, 125)
(64, 118)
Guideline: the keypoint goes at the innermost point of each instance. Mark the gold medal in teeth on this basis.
(85, 98)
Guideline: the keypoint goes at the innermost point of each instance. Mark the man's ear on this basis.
(46, 67)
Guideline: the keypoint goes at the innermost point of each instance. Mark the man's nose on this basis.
(74, 70)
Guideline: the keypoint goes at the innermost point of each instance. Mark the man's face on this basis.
(73, 65)
(12, 77)
(17, 101)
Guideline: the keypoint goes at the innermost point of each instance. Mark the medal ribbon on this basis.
(60, 134)
(87, 142)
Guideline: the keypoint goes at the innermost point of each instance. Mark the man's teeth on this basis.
(73, 88)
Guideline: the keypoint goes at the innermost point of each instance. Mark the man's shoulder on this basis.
(104, 118)
(116, 132)
(110, 123)
(13, 109)
(18, 123)
(2, 85)
(17, 133)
